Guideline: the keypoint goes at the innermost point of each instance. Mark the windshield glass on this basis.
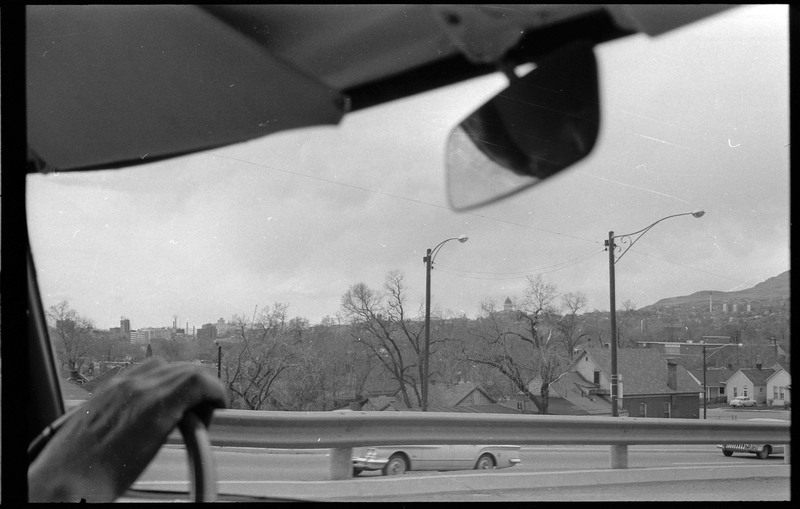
(286, 254)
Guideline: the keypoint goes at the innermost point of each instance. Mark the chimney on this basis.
(758, 361)
(672, 375)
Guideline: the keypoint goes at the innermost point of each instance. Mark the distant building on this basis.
(147, 334)
(207, 332)
(224, 329)
(125, 325)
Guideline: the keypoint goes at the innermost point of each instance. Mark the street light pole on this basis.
(630, 239)
(705, 387)
(428, 259)
(612, 299)
(219, 360)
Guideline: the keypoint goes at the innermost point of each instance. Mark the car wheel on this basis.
(356, 471)
(397, 465)
(727, 453)
(763, 453)
(485, 462)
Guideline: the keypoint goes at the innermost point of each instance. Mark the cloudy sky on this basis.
(693, 119)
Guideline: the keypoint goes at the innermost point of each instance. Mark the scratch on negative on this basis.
(661, 141)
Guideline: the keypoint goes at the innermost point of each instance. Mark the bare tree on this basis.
(381, 325)
(73, 335)
(305, 389)
(258, 355)
(626, 324)
(572, 333)
(521, 345)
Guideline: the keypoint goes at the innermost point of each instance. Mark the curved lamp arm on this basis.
(435, 250)
(631, 238)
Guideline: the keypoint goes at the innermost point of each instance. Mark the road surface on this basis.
(546, 473)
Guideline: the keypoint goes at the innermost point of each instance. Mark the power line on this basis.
(517, 275)
(399, 197)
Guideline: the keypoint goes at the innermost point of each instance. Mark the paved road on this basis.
(558, 473)
(680, 472)
(718, 490)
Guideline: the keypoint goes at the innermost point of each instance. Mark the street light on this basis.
(705, 387)
(630, 239)
(428, 259)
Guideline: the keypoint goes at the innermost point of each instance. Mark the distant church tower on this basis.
(508, 307)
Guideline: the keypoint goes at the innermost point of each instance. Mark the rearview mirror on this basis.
(541, 124)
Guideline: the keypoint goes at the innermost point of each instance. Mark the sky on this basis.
(695, 119)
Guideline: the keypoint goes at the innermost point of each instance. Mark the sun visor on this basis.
(112, 85)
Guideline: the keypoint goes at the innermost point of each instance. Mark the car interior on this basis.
(110, 98)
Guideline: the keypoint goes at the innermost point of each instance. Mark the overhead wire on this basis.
(519, 275)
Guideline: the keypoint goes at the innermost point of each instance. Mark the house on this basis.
(779, 387)
(651, 383)
(754, 382)
(461, 397)
(715, 383)
(569, 394)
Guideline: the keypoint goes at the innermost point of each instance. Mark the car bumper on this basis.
(369, 464)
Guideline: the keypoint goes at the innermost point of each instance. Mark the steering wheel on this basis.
(202, 473)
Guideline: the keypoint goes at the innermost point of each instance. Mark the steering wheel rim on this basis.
(202, 472)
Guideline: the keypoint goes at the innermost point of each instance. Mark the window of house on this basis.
(596, 376)
(643, 409)
(781, 393)
(775, 392)
(734, 392)
(744, 391)
(667, 409)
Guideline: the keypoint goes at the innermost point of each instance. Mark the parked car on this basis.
(396, 460)
(741, 402)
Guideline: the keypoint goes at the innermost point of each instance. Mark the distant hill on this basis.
(773, 289)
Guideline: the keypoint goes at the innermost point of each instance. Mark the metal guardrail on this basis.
(315, 430)
(342, 430)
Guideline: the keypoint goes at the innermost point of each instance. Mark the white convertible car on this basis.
(395, 460)
(763, 451)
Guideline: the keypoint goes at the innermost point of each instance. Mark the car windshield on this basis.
(294, 266)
